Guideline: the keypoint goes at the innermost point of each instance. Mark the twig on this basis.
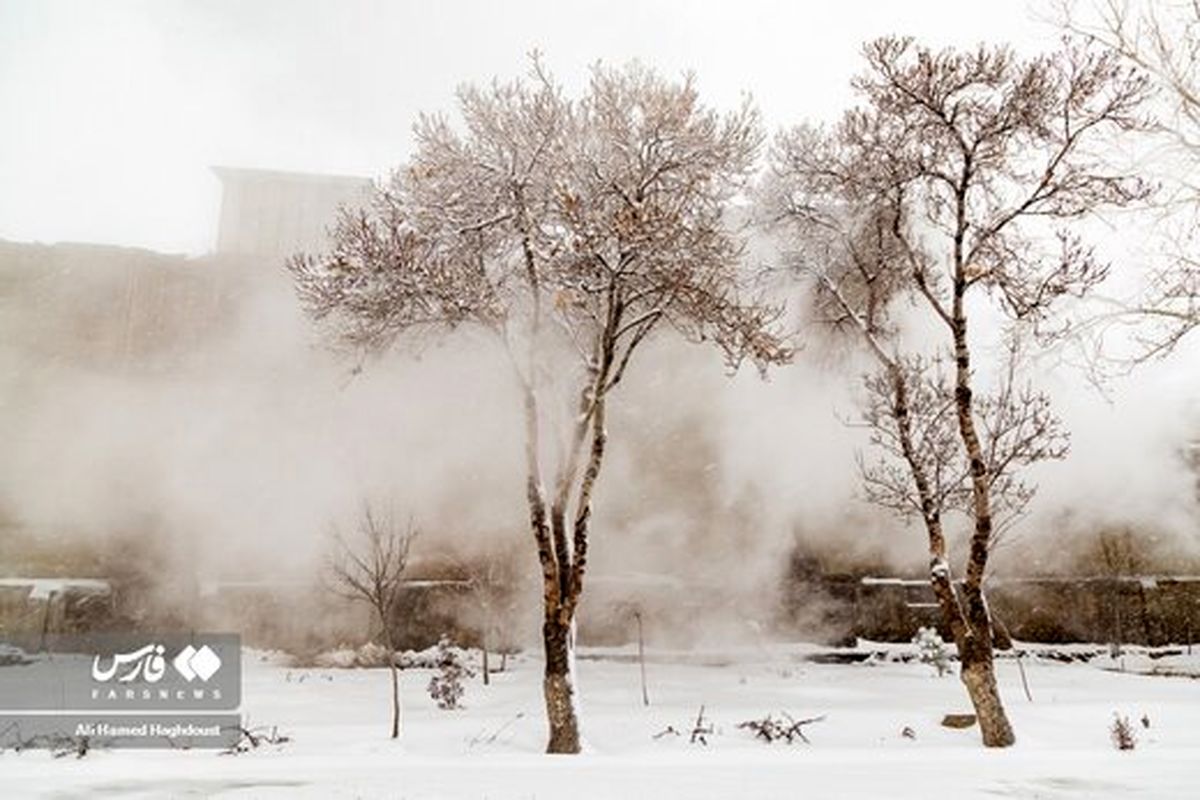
(252, 738)
(770, 729)
(482, 738)
(1024, 680)
(700, 731)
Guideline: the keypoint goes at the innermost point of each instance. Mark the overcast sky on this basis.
(111, 112)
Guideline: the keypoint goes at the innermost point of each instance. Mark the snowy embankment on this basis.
(337, 720)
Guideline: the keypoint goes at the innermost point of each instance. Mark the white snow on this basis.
(338, 720)
(43, 588)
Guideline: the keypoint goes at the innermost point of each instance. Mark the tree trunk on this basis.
(562, 553)
(395, 694)
(978, 673)
(390, 646)
(980, 679)
(559, 686)
(975, 649)
(486, 667)
(969, 626)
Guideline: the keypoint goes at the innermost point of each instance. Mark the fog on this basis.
(115, 111)
(237, 468)
(238, 462)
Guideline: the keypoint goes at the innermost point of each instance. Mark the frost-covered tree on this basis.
(956, 179)
(568, 231)
(931, 650)
(1160, 38)
(446, 684)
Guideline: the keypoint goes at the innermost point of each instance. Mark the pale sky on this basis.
(111, 111)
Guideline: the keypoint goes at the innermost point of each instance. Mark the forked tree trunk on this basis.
(978, 672)
(562, 712)
(969, 622)
(562, 551)
(971, 628)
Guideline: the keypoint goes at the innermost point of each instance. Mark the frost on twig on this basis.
(784, 728)
(254, 738)
(702, 729)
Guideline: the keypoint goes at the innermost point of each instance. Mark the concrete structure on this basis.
(271, 215)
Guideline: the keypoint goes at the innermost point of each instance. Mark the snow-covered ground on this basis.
(337, 721)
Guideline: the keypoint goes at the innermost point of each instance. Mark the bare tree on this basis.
(1161, 40)
(1119, 558)
(1017, 429)
(956, 179)
(568, 232)
(495, 583)
(369, 567)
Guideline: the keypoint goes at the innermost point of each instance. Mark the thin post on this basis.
(637, 615)
(486, 669)
(1024, 680)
